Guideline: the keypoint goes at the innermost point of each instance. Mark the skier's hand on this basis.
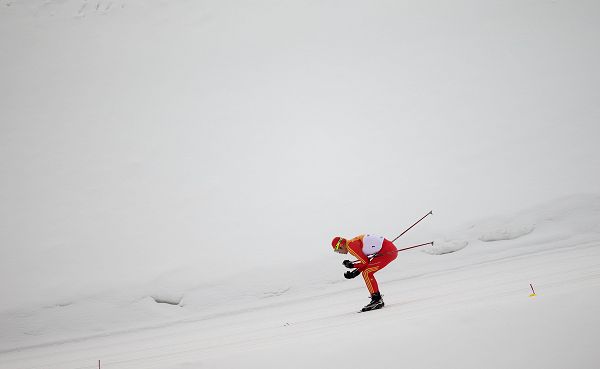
(348, 264)
(351, 274)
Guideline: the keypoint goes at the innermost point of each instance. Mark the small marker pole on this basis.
(98, 364)
(532, 290)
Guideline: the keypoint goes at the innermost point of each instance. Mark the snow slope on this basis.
(469, 308)
(171, 173)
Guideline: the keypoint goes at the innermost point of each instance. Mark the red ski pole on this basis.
(402, 249)
(412, 247)
(405, 248)
(408, 229)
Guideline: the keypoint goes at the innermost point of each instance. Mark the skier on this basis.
(361, 247)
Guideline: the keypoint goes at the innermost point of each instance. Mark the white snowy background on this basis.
(172, 172)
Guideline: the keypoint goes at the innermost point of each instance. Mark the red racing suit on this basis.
(361, 250)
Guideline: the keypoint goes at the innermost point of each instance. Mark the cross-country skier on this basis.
(381, 251)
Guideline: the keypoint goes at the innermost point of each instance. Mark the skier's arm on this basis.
(355, 249)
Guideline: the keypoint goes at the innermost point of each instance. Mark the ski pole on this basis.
(412, 247)
(406, 248)
(408, 229)
(370, 257)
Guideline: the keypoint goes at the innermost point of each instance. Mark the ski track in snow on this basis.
(324, 315)
(417, 288)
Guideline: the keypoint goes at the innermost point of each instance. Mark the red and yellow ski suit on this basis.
(368, 267)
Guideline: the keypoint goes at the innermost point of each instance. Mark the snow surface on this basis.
(171, 173)
(466, 309)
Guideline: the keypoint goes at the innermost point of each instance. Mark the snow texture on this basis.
(508, 232)
(445, 247)
(172, 173)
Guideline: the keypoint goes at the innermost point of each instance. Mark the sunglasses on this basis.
(338, 244)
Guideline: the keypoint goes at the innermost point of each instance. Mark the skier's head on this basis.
(339, 245)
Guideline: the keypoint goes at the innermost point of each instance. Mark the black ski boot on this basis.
(376, 302)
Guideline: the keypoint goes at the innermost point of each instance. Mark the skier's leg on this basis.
(381, 261)
(370, 281)
(376, 264)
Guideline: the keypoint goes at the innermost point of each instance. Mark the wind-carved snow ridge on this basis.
(276, 293)
(445, 247)
(169, 300)
(507, 232)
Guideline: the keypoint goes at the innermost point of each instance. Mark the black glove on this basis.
(348, 264)
(351, 273)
